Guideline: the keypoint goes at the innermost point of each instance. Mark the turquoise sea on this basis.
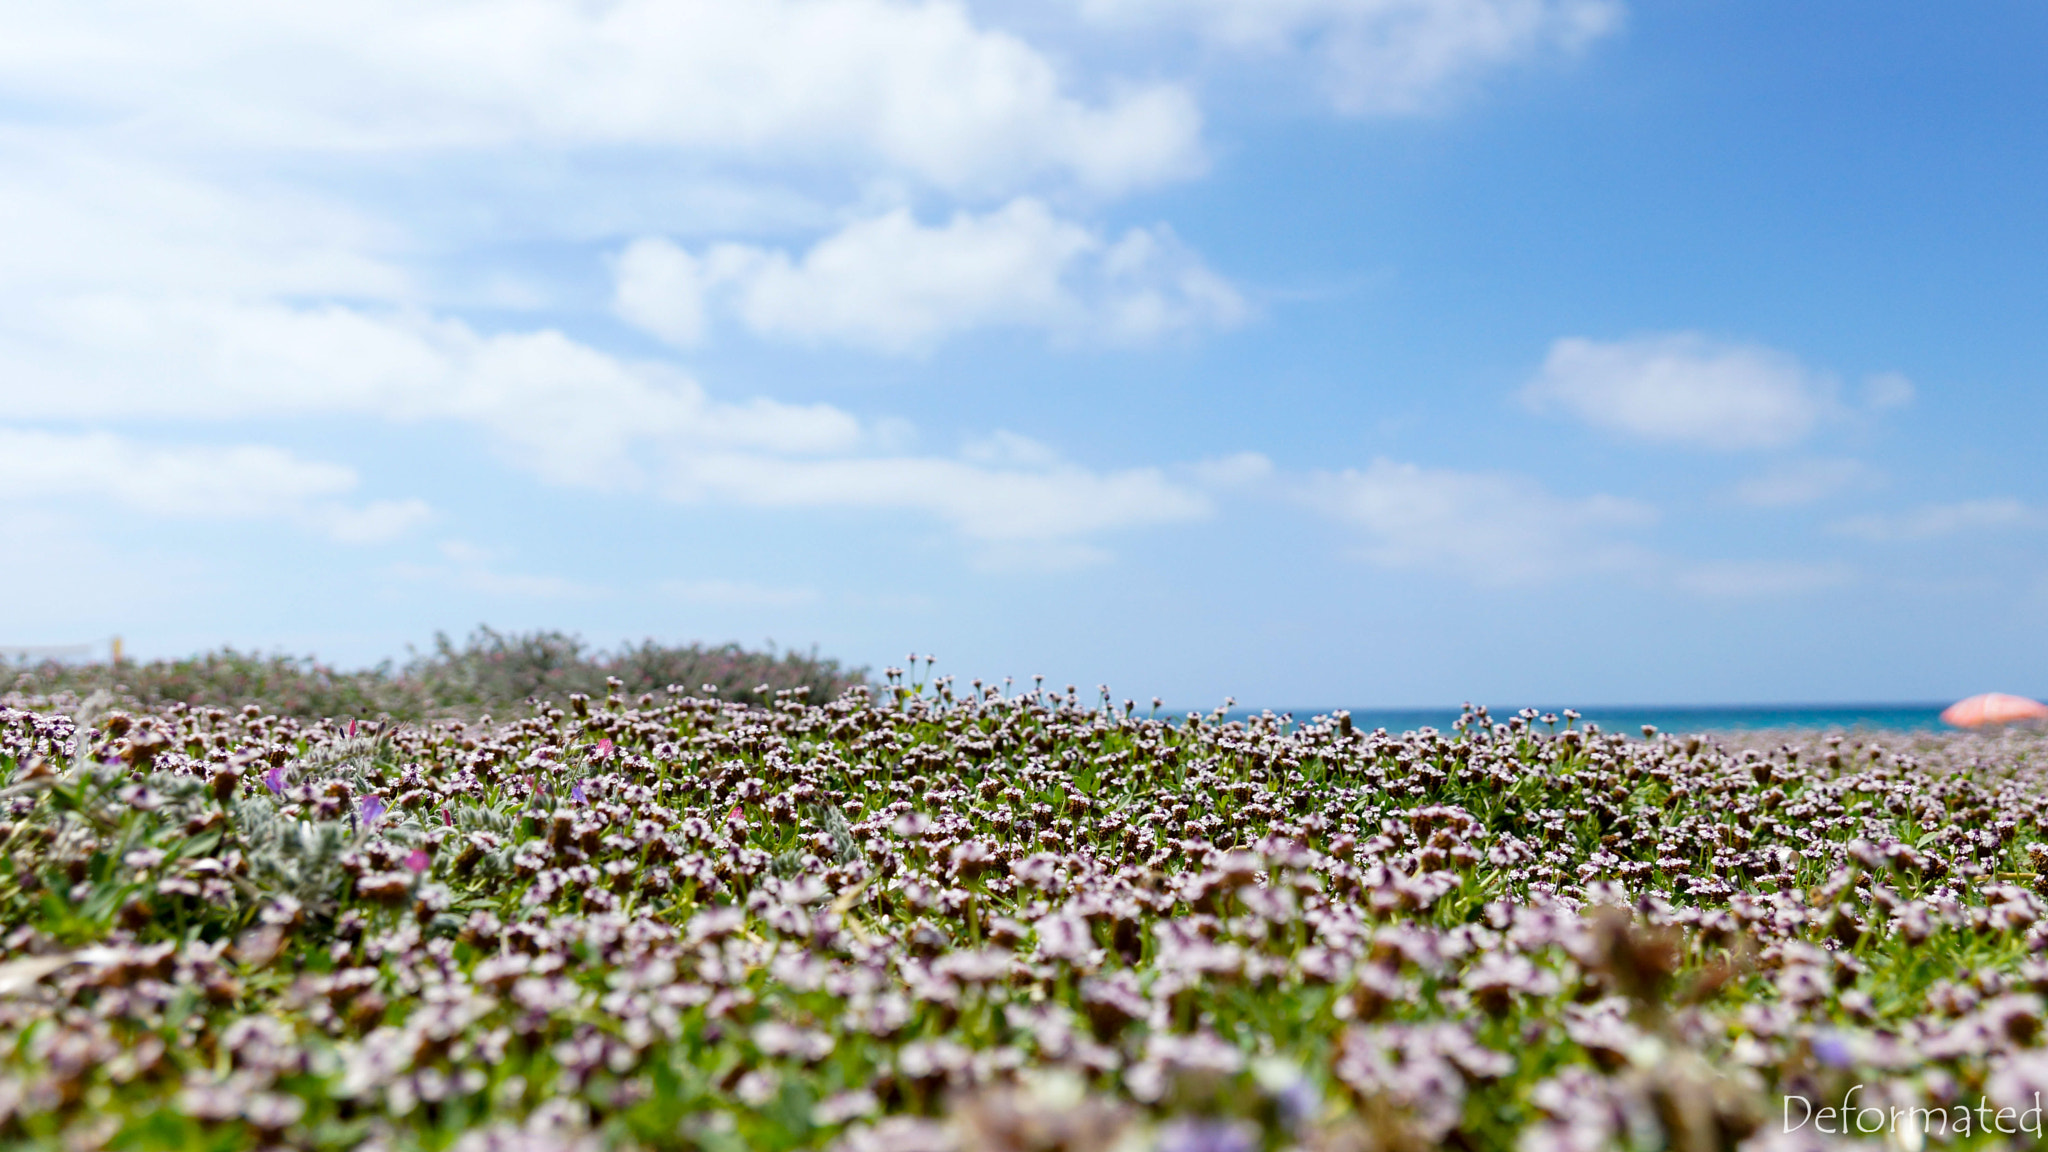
(1629, 719)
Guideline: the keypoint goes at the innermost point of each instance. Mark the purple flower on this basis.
(1295, 1100)
(373, 809)
(418, 861)
(576, 791)
(1832, 1050)
(274, 780)
(1208, 1136)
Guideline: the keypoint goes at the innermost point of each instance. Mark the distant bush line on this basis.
(491, 671)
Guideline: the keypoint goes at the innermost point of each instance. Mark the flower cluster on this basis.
(986, 920)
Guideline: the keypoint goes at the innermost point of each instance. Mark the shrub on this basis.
(490, 671)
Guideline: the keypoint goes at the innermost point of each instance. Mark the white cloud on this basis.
(1004, 449)
(230, 483)
(879, 86)
(555, 407)
(74, 218)
(891, 283)
(245, 482)
(1491, 528)
(1499, 529)
(1154, 285)
(1931, 521)
(1887, 390)
(664, 290)
(1382, 57)
(223, 212)
(991, 505)
(1238, 470)
(373, 522)
(1682, 388)
(1759, 579)
(1804, 482)
(560, 408)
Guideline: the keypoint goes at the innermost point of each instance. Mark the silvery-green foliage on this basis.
(476, 818)
(845, 848)
(296, 857)
(354, 759)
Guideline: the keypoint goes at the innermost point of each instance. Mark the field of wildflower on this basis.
(927, 916)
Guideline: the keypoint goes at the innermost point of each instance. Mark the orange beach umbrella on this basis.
(1994, 708)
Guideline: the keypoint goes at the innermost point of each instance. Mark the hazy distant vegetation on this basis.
(490, 671)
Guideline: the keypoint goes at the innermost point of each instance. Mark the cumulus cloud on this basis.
(1804, 482)
(371, 523)
(243, 482)
(559, 408)
(1237, 471)
(78, 219)
(562, 410)
(908, 87)
(1382, 57)
(1005, 449)
(1887, 390)
(227, 215)
(1932, 521)
(1498, 529)
(1683, 388)
(894, 284)
(1026, 504)
(1488, 527)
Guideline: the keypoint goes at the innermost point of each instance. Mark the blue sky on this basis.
(1312, 352)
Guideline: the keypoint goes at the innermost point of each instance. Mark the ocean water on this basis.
(1629, 719)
